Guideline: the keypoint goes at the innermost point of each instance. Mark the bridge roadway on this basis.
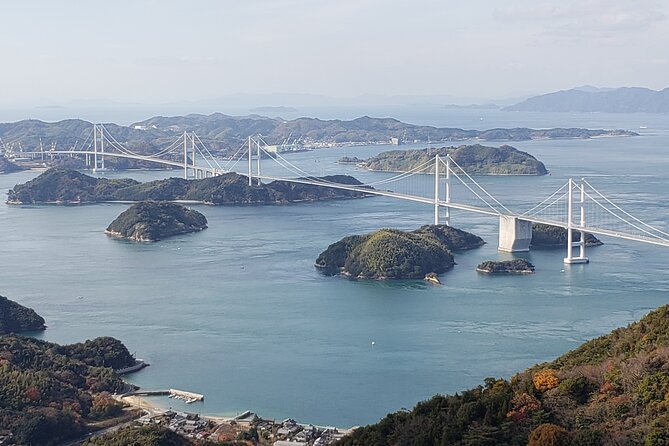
(384, 193)
(179, 164)
(464, 207)
(596, 231)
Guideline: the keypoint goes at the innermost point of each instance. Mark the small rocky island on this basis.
(474, 159)
(432, 278)
(150, 221)
(350, 160)
(15, 318)
(67, 186)
(395, 254)
(517, 266)
(547, 236)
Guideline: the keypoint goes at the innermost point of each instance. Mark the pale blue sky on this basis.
(162, 51)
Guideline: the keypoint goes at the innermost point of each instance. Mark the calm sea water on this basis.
(238, 312)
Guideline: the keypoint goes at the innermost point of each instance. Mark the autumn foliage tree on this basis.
(548, 434)
(545, 380)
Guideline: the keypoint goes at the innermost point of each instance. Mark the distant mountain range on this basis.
(223, 133)
(592, 99)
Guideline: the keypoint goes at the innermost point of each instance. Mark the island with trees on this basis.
(516, 266)
(224, 134)
(66, 186)
(15, 318)
(548, 236)
(395, 254)
(150, 221)
(473, 159)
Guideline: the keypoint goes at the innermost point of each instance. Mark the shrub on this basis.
(654, 387)
(548, 434)
(545, 380)
(579, 388)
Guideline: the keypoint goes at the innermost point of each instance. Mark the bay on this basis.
(239, 313)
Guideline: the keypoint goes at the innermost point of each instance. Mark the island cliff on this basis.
(150, 221)
(473, 159)
(395, 254)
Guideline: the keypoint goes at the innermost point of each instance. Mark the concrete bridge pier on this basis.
(515, 234)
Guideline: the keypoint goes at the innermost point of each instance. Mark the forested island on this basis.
(52, 392)
(223, 134)
(609, 391)
(395, 254)
(15, 318)
(66, 186)
(547, 236)
(473, 159)
(150, 221)
(516, 266)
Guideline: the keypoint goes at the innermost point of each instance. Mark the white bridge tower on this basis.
(98, 134)
(581, 258)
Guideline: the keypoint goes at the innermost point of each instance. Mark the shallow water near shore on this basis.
(238, 312)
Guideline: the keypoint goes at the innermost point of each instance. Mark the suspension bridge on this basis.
(576, 206)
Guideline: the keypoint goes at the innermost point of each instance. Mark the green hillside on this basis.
(613, 390)
(50, 392)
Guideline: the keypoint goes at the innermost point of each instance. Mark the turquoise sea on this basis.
(238, 312)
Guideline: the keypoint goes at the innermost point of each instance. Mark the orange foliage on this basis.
(523, 404)
(33, 394)
(607, 387)
(545, 380)
(549, 435)
(103, 404)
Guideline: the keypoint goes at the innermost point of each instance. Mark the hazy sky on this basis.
(162, 51)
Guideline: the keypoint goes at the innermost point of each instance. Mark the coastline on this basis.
(155, 408)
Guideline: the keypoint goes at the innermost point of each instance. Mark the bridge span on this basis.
(575, 206)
